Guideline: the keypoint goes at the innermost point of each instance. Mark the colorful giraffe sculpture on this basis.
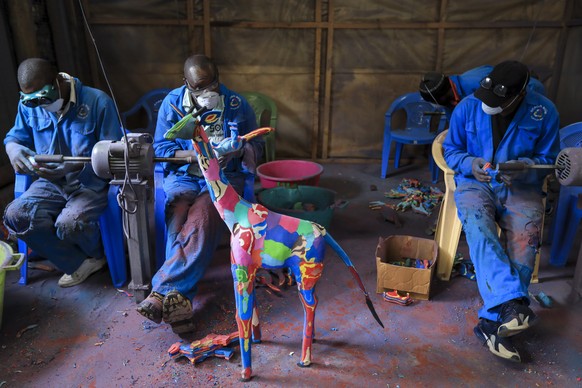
(263, 238)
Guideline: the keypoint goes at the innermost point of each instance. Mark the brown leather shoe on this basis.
(177, 312)
(152, 307)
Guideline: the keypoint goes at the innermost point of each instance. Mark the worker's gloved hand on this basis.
(193, 167)
(227, 146)
(249, 159)
(518, 171)
(478, 172)
(21, 158)
(186, 154)
(56, 171)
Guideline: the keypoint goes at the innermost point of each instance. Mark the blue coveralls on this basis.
(503, 266)
(59, 219)
(194, 227)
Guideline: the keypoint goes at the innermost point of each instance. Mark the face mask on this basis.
(54, 106)
(491, 111)
(208, 99)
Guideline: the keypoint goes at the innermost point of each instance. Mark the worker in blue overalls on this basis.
(449, 90)
(58, 216)
(502, 122)
(194, 227)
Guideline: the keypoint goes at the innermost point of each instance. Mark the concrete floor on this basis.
(90, 335)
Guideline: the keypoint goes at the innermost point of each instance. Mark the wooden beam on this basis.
(379, 25)
(21, 21)
(560, 51)
(145, 22)
(93, 61)
(207, 34)
(316, 82)
(441, 37)
(328, 81)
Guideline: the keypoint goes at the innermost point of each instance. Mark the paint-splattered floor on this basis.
(90, 335)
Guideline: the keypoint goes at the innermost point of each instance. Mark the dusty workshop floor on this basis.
(90, 335)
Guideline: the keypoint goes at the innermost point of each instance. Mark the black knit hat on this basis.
(433, 86)
(505, 81)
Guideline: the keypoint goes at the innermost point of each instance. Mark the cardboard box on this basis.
(416, 281)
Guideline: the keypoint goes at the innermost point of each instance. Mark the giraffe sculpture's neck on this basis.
(224, 196)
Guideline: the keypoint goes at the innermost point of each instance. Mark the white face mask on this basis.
(208, 99)
(54, 106)
(491, 111)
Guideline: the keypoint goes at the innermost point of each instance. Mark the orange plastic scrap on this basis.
(224, 339)
(395, 297)
(211, 345)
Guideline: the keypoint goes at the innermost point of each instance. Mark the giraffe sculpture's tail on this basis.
(344, 256)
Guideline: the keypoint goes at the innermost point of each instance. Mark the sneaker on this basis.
(515, 317)
(87, 268)
(486, 331)
(177, 312)
(151, 307)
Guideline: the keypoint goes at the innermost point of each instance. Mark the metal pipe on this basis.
(87, 159)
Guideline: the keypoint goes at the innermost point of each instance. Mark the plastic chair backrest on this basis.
(149, 104)
(571, 135)
(110, 224)
(266, 112)
(417, 112)
(438, 154)
(264, 107)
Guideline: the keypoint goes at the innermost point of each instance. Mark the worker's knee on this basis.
(18, 216)
(71, 227)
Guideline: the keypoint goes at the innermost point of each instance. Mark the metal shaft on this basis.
(87, 159)
(523, 166)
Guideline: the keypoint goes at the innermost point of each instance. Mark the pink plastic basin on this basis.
(289, 173)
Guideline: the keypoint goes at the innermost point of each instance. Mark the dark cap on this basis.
(512, 76)
(432, 86)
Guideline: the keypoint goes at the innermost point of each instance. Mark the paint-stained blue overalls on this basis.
(503, 266)
(59, 219)
(194, 227)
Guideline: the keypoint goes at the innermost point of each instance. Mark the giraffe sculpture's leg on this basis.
(256, 323)
(244, 294)
(309, 274)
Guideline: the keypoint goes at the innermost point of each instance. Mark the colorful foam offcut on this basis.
(419, 198)
(213, 345)
(289, 173)
(263, 238)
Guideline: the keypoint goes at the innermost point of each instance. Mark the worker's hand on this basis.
(190, 158)
(249, 158)
(188, 155)
(478, 172)
(21, 158)
(518, 171)
(56, 171)
(227, 146)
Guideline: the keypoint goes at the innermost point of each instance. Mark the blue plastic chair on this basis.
(149, 104)
(567, 215)
(419, 129)
(110, 224)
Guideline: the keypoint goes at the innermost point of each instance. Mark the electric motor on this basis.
(108, 158)
(569, 161)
